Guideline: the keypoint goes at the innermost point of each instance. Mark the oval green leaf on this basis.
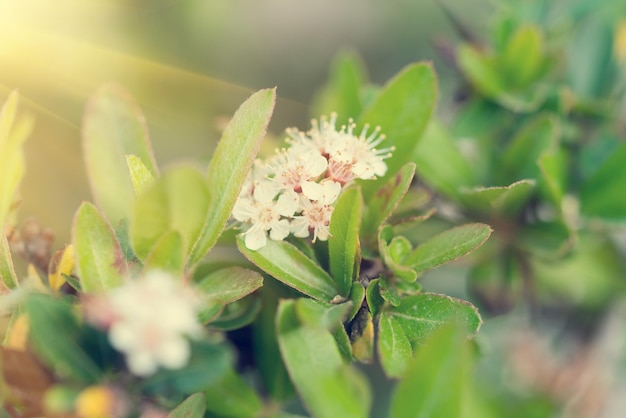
(114, 126)
(343, 243)
(178, 201)
(402, 110)
(231, 163)
(286, 263)
(437, 379)
(447, 246)
(394, 348)
(99, 259)
(192, 407)
(167, 255)
(328, 387)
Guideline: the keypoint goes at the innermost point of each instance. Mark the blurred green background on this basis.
(189, 64)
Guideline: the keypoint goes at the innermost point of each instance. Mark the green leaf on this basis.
(231, 396)
(388, 245)
(13, 133)
(523, 58)
(419, 315)
(385, 201)
(225, 286)
(357, 296)
(286, 263)
(343, 244)
(505, 199)
(167, 254)
(178, 201)
(480, 69)
(99, 259)
(553, 166)
(271, 368)
(372, 295)
(437, 380)
(394, 348)
(313, 313)
(8, 279)
(231, 163)
(342, 94)
(140, 174)
(447, 246)
(208, 363)
(603, 194)
(237, 314)
(113, 127)
(328, 387)
(440, 163)
(532, 140)
(193, 406)
(402, 110)
(54, 333)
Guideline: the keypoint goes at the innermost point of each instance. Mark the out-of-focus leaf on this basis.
(394, 348)
(590, 60)
(287, 264)
(523, 58)
(329, 388)
(99, 259)
(342, 94)
(113, 127)
(48, 319)
(385, 201)
(61, 265)
(178, 201)
(496, 284)
(436, 382)
(587, 276)
(24, 381)
(419, 315)
(140, 174)
(208, 363)
(603, 194)
(447, 246)
(13, 133)
(8, 279)
(231, 163)
(167, 254)
(440, 163)
(193, 406)
(546, 239)
(554, 175)
(232, 397)
(536, 137)
(343, 244)
(402, 110)
(480, 69)
(505, 199)
(266, 353)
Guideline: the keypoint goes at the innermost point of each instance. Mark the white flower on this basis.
(296, 165)
(153, 318)
(349, 156)
(316, 206)
(265, 213)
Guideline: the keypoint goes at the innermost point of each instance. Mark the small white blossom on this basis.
(152, 319)
(294, 166)
(265, 213)
(317, 209)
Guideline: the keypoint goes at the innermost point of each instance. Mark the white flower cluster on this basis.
(149, 320)
(294, 191)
